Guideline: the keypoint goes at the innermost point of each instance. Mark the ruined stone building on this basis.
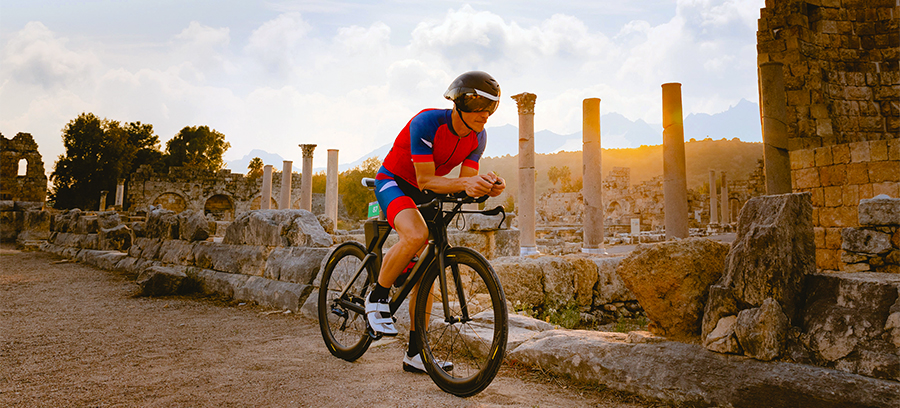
(842, 81)
(623, 202)
(22, 176)
(220, 195)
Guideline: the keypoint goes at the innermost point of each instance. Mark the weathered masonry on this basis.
(841, 68)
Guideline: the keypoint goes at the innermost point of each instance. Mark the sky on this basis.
(349, 74)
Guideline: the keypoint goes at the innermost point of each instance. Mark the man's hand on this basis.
(477, 186)
(497, 184)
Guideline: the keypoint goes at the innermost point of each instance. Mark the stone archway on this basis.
(171, 201)
(220, 207)
(254, 205)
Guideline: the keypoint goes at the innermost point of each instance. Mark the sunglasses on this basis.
(477, 101)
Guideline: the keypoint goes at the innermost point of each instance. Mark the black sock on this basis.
(414, 347)
(379, 293)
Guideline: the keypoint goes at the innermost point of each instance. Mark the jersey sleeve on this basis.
(422, 129)
(475, 156)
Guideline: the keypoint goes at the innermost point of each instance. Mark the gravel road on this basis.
(74, 335)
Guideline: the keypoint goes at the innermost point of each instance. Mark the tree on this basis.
(354, 195)
(197, 147)
(98, 153)
(255, 168)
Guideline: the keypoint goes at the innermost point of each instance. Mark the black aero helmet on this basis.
(474, 91)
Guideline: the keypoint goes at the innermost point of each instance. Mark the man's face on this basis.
(476, 120)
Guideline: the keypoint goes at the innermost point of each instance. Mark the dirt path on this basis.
(73, 335)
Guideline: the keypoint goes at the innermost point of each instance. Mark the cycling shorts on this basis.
(395, 194)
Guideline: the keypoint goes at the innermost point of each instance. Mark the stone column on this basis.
(527, 240)
(266, 199)
(103, 194)
(306, 177)
(774, 128)
(592, 175)
(284, 201)
(713, 199)
(120, 193)
(674, 174)
(726, 212)
(331, 187)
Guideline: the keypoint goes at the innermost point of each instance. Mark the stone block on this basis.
(879, 211)
(481, 222)
(837, 216)
(878, 150)
(294, 264)
(833, 238)
(559, 282)
(176, 251)
(859, 152)
(833, 175)
(802, 159)
(161, 223)
(238, 259)
(274, 294)
(108, 219)
(857, 173)
(845, 320)
(773, 251)
(277, 228)
(584, 279)
(522, 279)
(841, 154)
(806, 178)
(884, 171)
(87, 224)
(865, 241)
(827, 259)
(762, 331)
(833, 196)
(193, 226)
(890, 189)
(162, 281)
(823, 156)
(722, 338)
(610, 287)
(671, 281)
(117, 238)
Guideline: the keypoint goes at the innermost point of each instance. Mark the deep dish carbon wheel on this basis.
(343, 328)
(476, 344)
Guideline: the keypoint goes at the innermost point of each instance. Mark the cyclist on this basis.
(432, 144)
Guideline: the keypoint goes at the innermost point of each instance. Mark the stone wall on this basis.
(31, 186)
(220, 195)
(842, 81)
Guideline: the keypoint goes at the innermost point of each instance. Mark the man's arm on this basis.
(469, 181)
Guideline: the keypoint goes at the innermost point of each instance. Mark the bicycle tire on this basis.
(344, 330)
(476, 347)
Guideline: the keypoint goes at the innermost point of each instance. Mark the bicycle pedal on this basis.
(373, 335)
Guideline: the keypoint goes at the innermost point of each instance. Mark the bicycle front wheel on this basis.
(342, 318)
(462, 350)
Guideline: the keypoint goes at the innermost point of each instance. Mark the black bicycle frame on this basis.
(377, 231)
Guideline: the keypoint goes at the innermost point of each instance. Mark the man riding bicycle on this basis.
(432, 144)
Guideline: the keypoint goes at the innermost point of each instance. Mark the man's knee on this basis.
(416, 237)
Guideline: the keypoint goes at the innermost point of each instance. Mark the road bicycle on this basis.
(467, 323)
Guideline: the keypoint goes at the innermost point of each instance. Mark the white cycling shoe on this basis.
(414, 364)
(375, 314)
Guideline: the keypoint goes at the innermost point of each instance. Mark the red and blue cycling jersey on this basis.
(426, 138)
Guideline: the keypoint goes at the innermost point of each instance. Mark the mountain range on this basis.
(616, 131)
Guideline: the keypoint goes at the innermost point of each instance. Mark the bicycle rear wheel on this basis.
(473, 336)
(342, 319)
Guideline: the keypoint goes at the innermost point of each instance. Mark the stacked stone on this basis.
(842, 81)
(839, 177)
(875, 246)
(31, 187)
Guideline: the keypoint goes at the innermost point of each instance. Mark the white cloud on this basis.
(35, 55)
(295, 78)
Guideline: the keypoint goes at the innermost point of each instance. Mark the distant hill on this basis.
(739, 121)
(736, 157)
(240, 165)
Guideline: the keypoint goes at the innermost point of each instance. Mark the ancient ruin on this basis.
(841, 79)
(16, 154)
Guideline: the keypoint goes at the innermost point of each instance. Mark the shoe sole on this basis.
(409, 368)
